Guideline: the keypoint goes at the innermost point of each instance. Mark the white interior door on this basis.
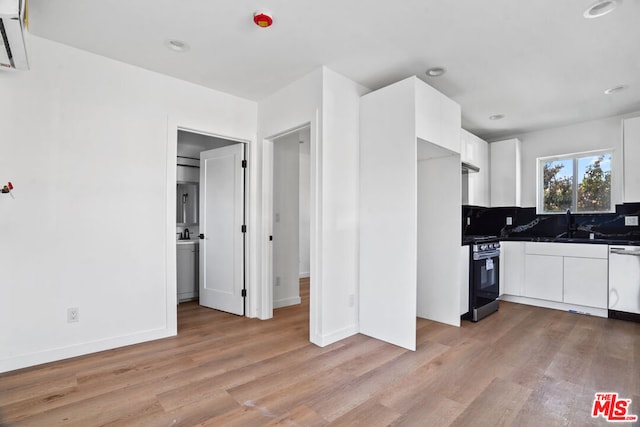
(221, 222)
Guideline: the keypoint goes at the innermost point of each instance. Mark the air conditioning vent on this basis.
(13, 49)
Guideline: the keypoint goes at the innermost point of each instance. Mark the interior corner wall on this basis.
(586, 136)
(340, 214)
(330, 103)
(84, 140)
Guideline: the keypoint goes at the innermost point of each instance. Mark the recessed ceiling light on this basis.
(177, 45)
(496, 117)
(600, 8)
(615, 89)
(435, 71)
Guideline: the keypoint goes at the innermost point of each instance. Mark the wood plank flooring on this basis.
(522, 366)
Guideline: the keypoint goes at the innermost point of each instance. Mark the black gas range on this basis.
(484, 276)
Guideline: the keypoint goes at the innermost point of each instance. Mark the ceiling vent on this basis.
(13, 50)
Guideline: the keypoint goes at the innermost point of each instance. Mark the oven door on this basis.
(486, 276)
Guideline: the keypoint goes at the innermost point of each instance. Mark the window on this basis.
(580, 182)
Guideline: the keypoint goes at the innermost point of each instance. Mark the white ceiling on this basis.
(538, 62)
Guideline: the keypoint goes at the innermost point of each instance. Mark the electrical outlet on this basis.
(509, 220)
(468, 220)
(277, 280)
(73, 315)
(352, 300)
(631, 221)
(277, 217)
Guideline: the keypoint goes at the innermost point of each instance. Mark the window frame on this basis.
(540, 161)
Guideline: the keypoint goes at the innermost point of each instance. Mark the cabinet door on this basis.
(512, 268)
(464, 279)
(543, 277)
(586, 281)
(505, 173)
(187, 271)
(631, 132)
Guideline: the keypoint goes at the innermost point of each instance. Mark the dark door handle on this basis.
(201, 236)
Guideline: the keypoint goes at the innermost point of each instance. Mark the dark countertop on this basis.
(572, 240)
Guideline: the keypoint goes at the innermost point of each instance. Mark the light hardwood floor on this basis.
(522, 366)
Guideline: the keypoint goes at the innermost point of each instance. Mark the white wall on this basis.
(593, 135)
(340, 226)
(329, 103)
(286, 222)
(84, 139)
(438, 234)
(388, 214)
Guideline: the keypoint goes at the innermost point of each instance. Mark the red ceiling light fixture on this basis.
(262, 18)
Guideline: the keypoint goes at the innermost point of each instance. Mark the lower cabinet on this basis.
(567, 273)
(543, 277)
(586, 281)
(188, 272)
(511, 268)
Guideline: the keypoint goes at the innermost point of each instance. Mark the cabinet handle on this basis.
(620, 251)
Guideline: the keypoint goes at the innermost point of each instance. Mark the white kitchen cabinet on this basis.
(505, 172)
(543, 277)
(511, 268)
(631, 148)
(585, 281)
(464, 279)
(567, 273)
(475, 151)
(437, 118)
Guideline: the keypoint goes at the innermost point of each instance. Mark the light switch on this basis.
(509, 220)
(631, 221)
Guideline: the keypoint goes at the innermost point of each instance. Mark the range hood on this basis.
(469, 168)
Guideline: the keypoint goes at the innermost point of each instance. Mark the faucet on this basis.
(570, 228)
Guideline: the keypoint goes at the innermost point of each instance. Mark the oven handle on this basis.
(486, 255)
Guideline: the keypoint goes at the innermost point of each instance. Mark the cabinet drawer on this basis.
(577, 250)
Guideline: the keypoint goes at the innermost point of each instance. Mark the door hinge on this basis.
(270, 238)
(244, 163)
(244, 293)
(244, 228)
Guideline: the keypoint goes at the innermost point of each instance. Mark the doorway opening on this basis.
(291, 224)
(211, 221)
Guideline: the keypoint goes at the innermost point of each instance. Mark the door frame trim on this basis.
(173, 125)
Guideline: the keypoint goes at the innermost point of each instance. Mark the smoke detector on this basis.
(262, 18)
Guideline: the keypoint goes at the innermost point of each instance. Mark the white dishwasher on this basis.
(624, 282)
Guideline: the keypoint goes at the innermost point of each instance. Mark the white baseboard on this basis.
(55, 354)
(579, 309)
(340, 334)
(286, 302)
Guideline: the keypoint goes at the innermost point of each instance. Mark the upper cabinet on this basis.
(438, 118)
(475, 151)
(631, 136)
(505, 173)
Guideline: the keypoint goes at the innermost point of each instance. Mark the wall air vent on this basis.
(13, 49)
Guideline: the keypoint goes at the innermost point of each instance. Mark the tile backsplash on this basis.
(514, 222)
